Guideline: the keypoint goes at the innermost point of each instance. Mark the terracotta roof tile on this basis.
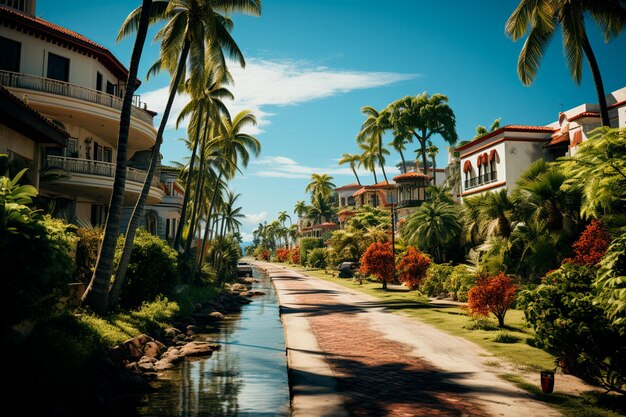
(354, 185)
(407, 176)
(510, 128)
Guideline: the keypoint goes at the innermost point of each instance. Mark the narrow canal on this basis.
(247, 377)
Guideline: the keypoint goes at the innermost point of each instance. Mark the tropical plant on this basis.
(459, 282)
(591, 245)
(482, 130)
(412, 267)
(89, 240)
(372, 156)
(378, 260)
(317, 258)
(493, 295)
(353, 160)
(320, 185)
(307, 244)
(432, 152)
(435, 282)
(540, 19)
(371, 133)
(321, 209)
(421, 117)
(432, 228)
(496, 211)
(399, 144)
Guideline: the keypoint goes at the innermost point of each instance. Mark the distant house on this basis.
(378, 195)
(318, 230)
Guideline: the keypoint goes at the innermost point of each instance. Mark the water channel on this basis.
(247, 377)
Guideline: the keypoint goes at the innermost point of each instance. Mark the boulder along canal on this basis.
(246, 377)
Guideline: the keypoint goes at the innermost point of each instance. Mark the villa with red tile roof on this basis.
(78, 85)
(496, 160)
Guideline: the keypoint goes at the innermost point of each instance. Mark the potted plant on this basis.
(547, 381)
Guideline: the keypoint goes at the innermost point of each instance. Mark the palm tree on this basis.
(495, 210)
(372, 155)
(372, 131)
(432, 152)
(321, 208)
(353, 160)
(300, 208)
(482, 130)
(540, 19)
(421, 117)
(207, 103)
(321, 184)
(193, 29)
(432, 227)
(398, 143)
(97, 293)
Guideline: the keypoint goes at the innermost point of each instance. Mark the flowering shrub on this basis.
(262, 254)
(492, 295)
(412, 267)
(294, 255)
(281, 254)
(378, 261)
(591, 245)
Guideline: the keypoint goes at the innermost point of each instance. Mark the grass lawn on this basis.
(484, 333)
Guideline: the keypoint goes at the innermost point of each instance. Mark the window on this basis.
(168, 232)
(98, 81)
(107, 156)
(111, 88)
(58, 67)
(97, 152)
(10, 56)
(16, 4)
(72, 148)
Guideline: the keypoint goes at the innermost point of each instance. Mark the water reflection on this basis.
(247, 377)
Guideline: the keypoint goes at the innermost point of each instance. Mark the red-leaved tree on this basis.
(591, 245)
(281, 254)
(492, 295)
(378, 261)
(294, 255)
(412, 267)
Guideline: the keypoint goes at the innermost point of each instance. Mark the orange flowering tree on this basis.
(378, 261)
(412, 267)
(591, 245)
(492, 295)
(281, 254)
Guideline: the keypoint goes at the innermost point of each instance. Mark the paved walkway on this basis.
(347, 357)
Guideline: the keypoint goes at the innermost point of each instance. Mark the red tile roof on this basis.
(411, 175)
(65, 37)
(352, 186)
(507, 128)
(325, 225)
(585, 114)
(382, 184)
(559, 138)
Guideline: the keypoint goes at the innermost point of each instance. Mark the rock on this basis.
(192, 329)
(134, 346)
(216, 315)
(163, 365)
(152, 375)
(180, 337)
(169, 359)
(249, 281)
(146, 367)
(171, 332)
(132, 383)
(238, 288)
(151, 350)
(255, 293)
(246, 294)
(198, 349)
(133, 367)
(146, 359)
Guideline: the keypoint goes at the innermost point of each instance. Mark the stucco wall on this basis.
(12, 141)
(519, 156)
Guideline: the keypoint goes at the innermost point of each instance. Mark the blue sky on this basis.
(313, 64)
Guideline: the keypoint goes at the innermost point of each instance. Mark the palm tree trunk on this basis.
(355, 174)
(380, 157)
(97, 293)
(434, 172)
(403, 170)
(374, 172)
(183, 212)
(199, 180)
(138, 211)
(597, 80)
(208, 216)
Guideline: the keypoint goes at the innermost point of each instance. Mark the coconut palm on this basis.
(194, 32)
(97, 293)
(372, 132)
(353, 160)
(321, 208)
(482, 130)
(432, 227)
(372, 156)
(398, 143)
(540, 20)
(321, 184)
(300, 208)
(421, 117)
(207, 103)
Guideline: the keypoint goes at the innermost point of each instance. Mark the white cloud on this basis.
(280, 83)
(283, 167)
(255, 218)
(247, 237)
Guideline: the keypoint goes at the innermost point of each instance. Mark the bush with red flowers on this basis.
(378, 261)
(412, 267)
(591, 245)
(492, 295)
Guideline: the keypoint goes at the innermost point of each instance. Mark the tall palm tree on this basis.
(372, 131)
(398, 143)
(432, 228)
(540, 19)
(353, 160)
(206, 103)
(496, 209)
(432, 152)
(372, 156)
(194, 30)
(482, 130)
(321, 208)
(97, 293)
(421, 117)
(321, 184)
(300, 208)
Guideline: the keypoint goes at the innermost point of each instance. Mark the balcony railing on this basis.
(410, 203)
(481, 179)
(47, 85)
(99, 168)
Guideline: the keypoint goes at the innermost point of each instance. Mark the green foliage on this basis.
(306, 245)
(317, 258)
(152, 269)
(87, 252)
(436, 278)
(504, 337)
(368, 217)
(481, 323)
(611, 284)
(35, 254)
(223, 254)
(568, 323)
(459, 282)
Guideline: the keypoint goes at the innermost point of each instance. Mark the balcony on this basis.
(409, 203)
(46, 85)
(98, 168)
(482, 179)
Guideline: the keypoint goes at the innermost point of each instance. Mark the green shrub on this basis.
(87, 252)
(317, 258)
(223, 254)
(152, 270)
(460, 281)
(436, 278)
(35, 254)
(504, 337)
(306, 245)
(481, 323)
(569, 324)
